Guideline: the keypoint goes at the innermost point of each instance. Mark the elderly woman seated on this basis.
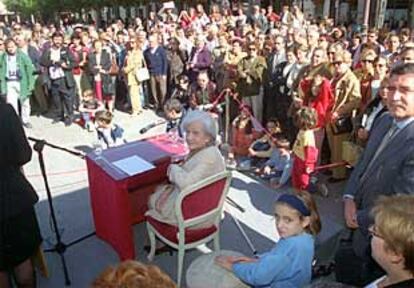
(392, 243)
(204, 160)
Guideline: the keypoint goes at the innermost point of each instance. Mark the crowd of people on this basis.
(295, 90)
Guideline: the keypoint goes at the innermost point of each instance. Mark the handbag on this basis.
(342, 125)
(142, 74)
(114, 70)
(351, 152)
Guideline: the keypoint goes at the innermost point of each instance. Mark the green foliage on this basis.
(48, 7)
(26, 7)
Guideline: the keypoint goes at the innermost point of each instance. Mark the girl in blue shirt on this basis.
(289, 263)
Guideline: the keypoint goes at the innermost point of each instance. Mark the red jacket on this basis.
(322, 103)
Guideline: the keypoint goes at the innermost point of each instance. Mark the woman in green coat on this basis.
(17, 79)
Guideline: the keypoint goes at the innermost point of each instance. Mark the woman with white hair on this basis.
(204, 160)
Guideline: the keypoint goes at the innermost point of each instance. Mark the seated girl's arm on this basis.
(262, 272)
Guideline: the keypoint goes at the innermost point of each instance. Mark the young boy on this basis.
(174, 113)
(109, 134)
(88, 107)
(279, 166)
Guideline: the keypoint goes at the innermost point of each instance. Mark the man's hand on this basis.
(350, 213)
(267, 170)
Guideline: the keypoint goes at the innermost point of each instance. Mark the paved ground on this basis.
(69, 186)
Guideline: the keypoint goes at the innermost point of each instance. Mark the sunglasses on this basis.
(380, 65)
(252, 49)
(367, 61)
(337, 63)
(331, 53)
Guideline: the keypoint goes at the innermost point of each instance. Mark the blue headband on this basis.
(295, 203)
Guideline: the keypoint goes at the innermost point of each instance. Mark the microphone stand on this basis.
(60, 247)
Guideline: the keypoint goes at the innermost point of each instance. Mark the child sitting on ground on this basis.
(243, 133)
(278, 167)
(87, 108)
(261, 149)
(289, 263)
(109, 134)
(175, 113)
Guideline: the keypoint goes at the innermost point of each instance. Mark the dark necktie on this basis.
(385, 141)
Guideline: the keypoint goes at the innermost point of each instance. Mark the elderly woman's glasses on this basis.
(374, 233)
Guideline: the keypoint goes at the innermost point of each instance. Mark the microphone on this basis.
(150, 126)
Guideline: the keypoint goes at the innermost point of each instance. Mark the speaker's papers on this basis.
(133, 165)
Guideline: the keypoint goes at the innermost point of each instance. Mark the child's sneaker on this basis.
(322, 189)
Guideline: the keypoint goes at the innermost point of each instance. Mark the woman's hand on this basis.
(334, 117)
(161, 201)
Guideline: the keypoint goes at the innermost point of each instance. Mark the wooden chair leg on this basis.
(153, 244)
(217, 242)
(181, 253)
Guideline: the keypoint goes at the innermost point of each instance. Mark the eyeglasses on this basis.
(252, 49)
(401, 90)
(373, 232)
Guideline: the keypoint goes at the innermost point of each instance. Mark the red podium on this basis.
(118, 200)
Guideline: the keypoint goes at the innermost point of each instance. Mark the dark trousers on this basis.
(62, 98)
(352, 269)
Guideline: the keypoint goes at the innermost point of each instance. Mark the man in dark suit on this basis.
(276, 57)
(59, 62)
(156, 59)
(385, 168)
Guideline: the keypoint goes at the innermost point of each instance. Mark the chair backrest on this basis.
(202, 201)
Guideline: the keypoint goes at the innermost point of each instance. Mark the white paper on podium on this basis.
(133, 165)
